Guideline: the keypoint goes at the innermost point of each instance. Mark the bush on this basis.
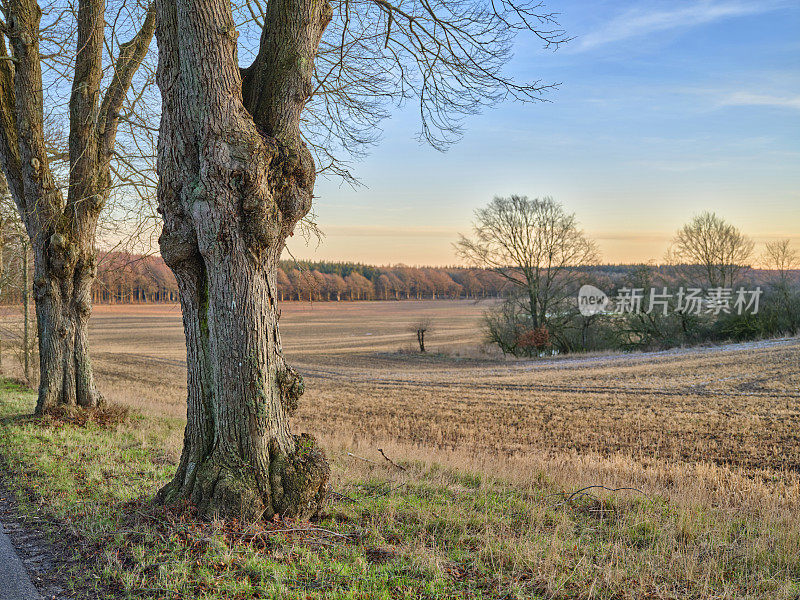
(503, 324)
(510, 326)
(532, 341)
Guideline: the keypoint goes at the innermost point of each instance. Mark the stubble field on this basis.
(668, 475)
(732, 405)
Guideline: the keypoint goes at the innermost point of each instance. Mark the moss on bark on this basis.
(295, 486)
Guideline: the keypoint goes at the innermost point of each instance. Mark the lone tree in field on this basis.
(535, 245)
(62, 232)
(237, 175)
(712, 249)
(420, 328)
(781, 257)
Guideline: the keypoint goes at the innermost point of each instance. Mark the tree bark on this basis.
(235, 177)
(26, 310)
(63, 308)
(2, 266)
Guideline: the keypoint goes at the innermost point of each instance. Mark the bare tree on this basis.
(358, 286)
(15, 279)
(62, 232)
(782, 257)
(712, 249)
(420, 328)
(237, 176)
(7, 213)
(535, 245)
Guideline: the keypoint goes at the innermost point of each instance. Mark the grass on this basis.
(443, 527)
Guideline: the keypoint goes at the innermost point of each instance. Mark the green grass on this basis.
(427, 532)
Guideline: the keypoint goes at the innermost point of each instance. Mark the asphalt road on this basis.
(14, 581)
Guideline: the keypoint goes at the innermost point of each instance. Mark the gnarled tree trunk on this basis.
(62, 292)
(235, 178)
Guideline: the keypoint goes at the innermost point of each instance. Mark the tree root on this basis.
(295, 485)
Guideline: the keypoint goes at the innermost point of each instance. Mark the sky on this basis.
(664, 110)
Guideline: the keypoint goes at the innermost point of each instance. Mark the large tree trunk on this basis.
(239, 458)
(235, 177)
(62, 292)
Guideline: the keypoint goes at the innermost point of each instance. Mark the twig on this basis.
(589, 487)
(263, 532)
(394, 464)
(307, 530)
(364, 459)
(339, 496)
(388, 490)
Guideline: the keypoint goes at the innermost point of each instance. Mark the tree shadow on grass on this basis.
(17, 419)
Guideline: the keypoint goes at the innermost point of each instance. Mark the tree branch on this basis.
(36, 177)
(131, 55)
(9, 151)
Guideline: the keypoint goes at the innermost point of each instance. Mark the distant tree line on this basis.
(130, 278)
(323, 281)
(124, 277)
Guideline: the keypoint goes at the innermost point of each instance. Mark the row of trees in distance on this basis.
(128, 278)
(124, 278)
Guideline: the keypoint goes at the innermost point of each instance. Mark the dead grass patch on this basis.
(107, 416)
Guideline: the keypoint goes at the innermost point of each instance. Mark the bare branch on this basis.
(130, 57)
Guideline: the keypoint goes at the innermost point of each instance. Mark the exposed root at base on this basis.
(295, 486)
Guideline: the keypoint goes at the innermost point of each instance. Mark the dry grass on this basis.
(489, 528)
(492, 449)
(736, 405)
(107, 416)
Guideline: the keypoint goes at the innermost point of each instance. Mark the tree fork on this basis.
(62, 234)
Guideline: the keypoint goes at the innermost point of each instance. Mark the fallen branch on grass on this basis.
(372, 462)
(338, 496)
(394, 464)
(385, 492)
(305, 530)
(583, 491)
(364, 459)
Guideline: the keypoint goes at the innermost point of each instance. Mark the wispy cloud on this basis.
(679, 166)
(642, 21)
(380, 231)
(750, 99)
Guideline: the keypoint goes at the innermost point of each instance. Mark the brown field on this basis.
(737, 404)
(696, 452)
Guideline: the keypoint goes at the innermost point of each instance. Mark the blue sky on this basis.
(665, 109)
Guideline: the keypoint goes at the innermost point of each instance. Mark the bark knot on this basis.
(62, 256)
(300, 479)
(292, 387)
